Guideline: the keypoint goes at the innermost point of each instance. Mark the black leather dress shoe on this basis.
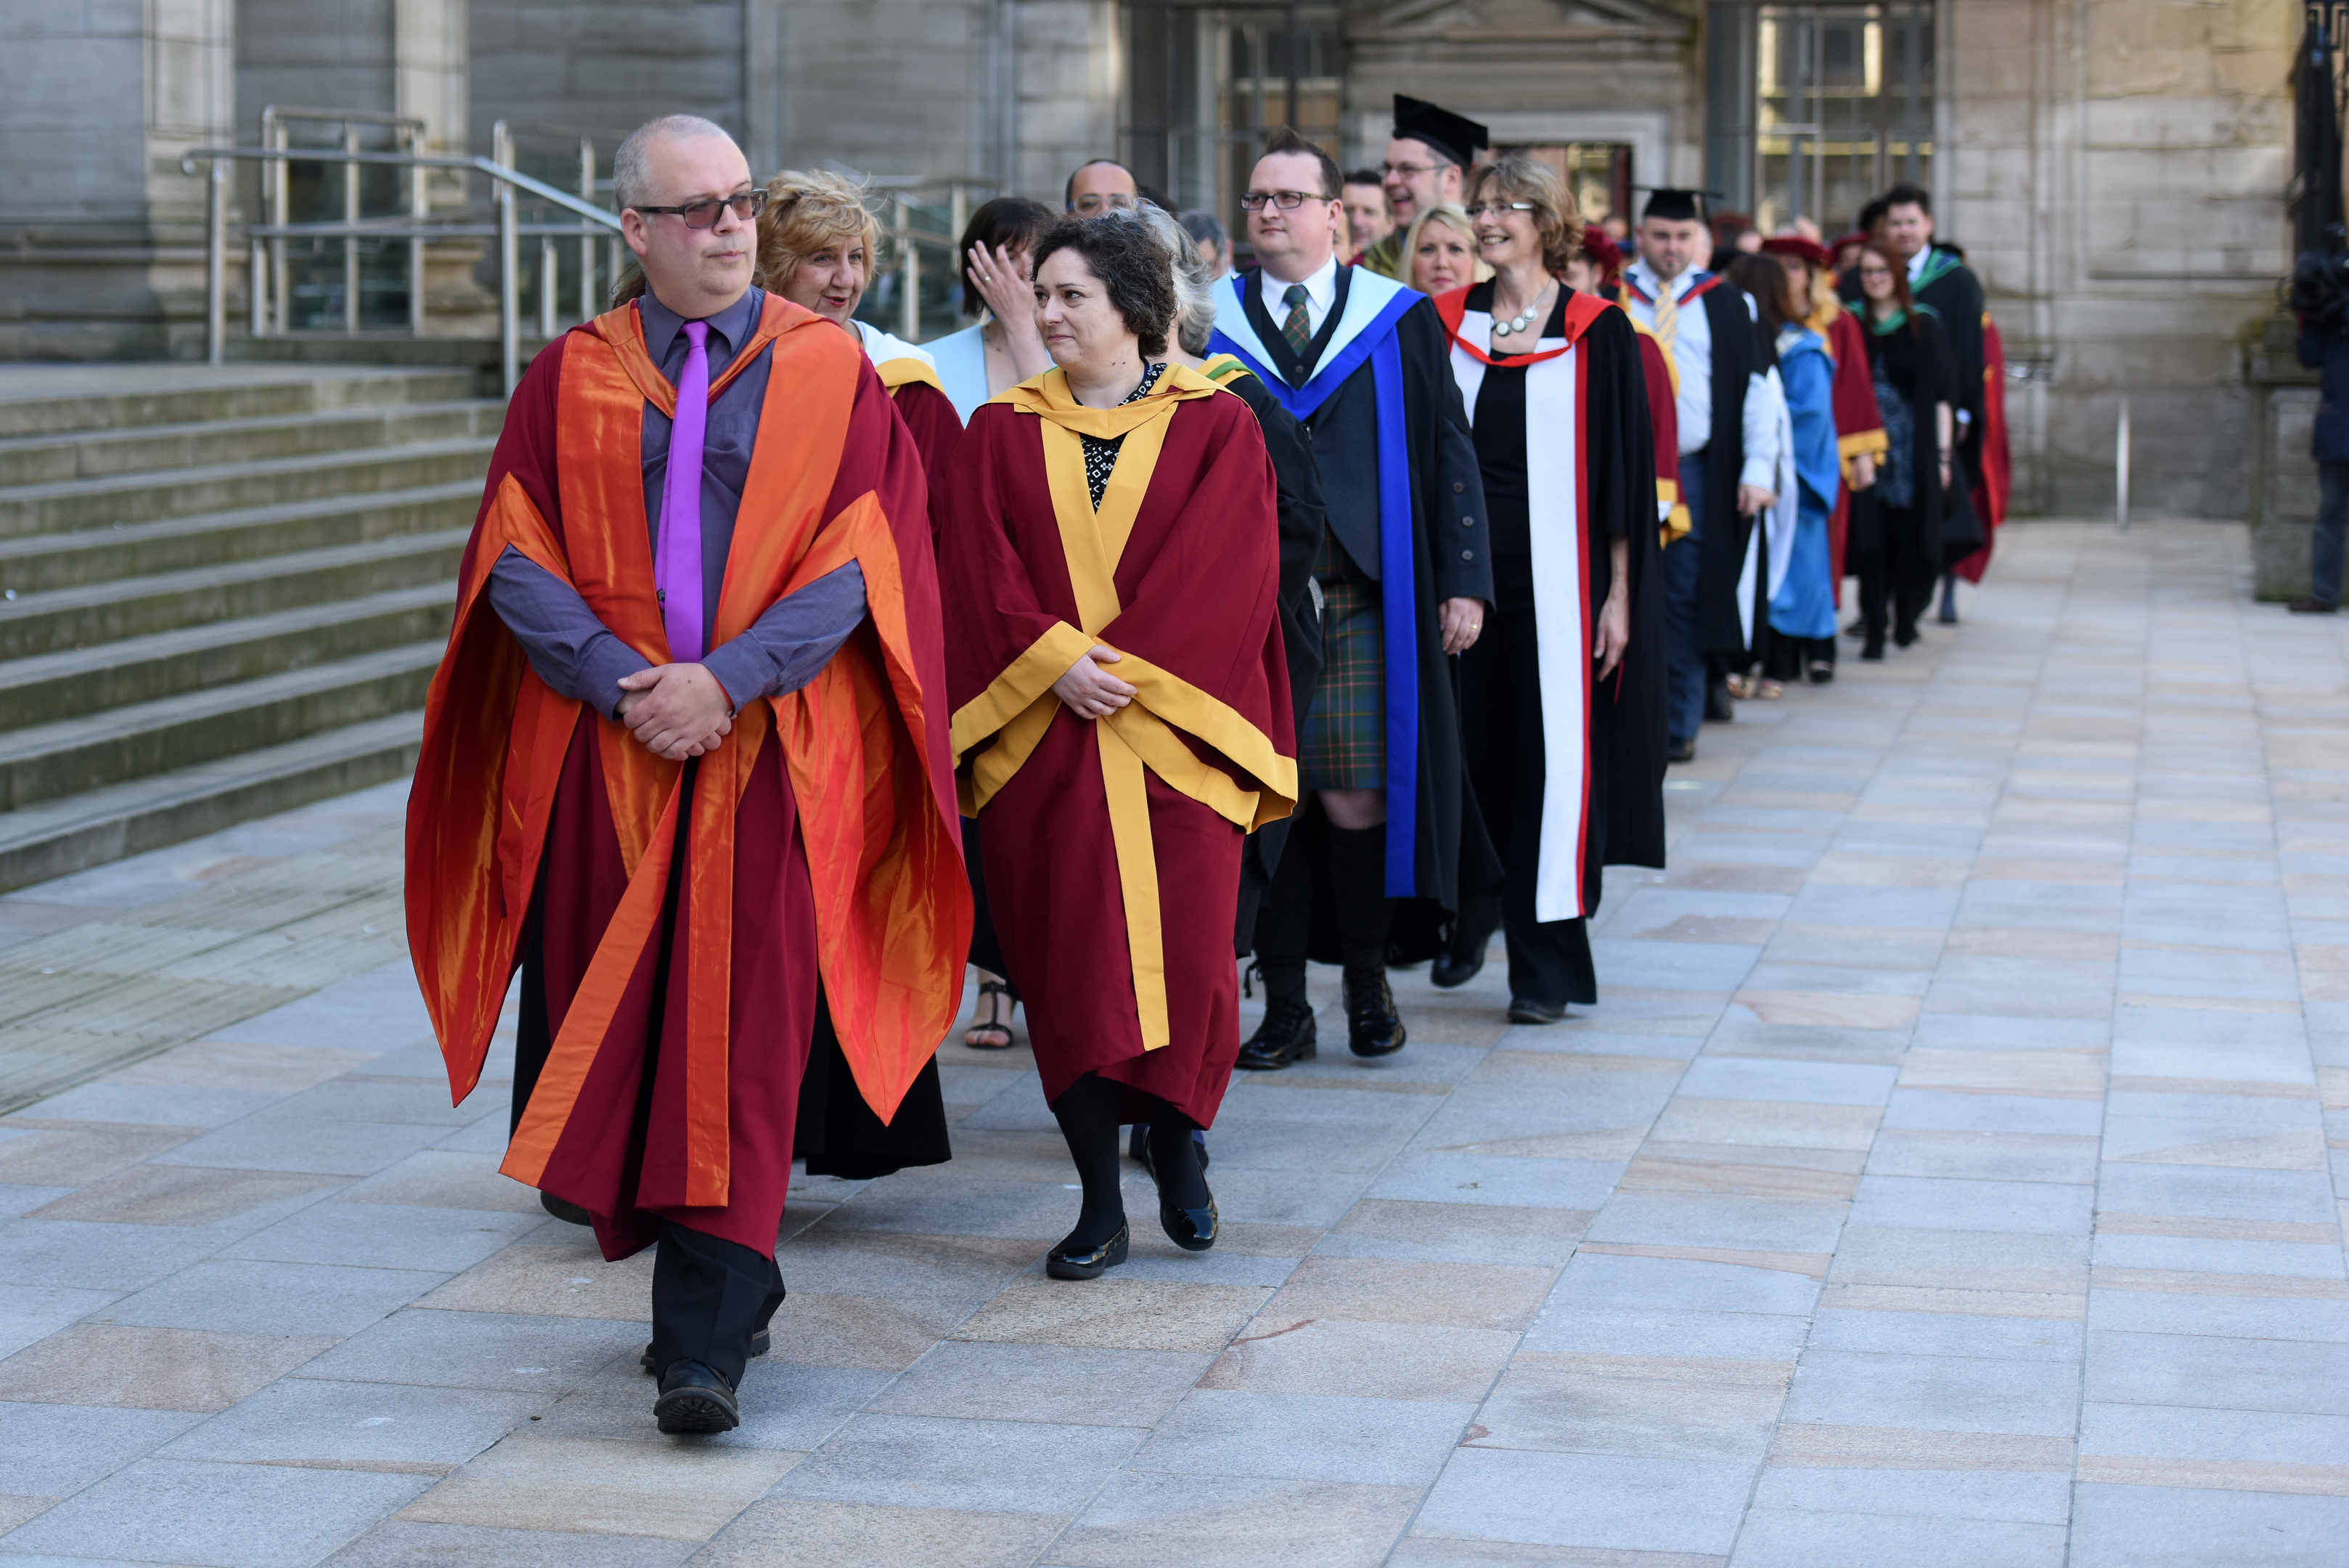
(569, 1213)
(1373, 1028)
(1680, 750)
(1461, 964)
(760, 1343)
(1286, 1035)
(1193, 1229)
(693, 1399)
(1089, 1262)
(1718, 707)
(1525, 1010)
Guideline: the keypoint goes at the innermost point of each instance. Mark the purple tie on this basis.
(677, 563)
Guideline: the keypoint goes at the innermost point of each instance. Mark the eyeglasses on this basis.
(1410, 171)
(1093, 202)
(701, 214)
(1494, 209)
(1287, 201)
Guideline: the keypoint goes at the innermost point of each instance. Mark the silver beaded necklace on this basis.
(1523, 321)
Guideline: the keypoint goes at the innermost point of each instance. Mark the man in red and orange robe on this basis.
(686, 889)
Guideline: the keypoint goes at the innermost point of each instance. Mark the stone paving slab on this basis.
(1950, 1174)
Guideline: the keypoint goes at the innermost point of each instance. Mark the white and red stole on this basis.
(1558, 496)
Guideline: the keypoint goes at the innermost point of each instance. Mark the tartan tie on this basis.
(1298, 327)
(1667, 318)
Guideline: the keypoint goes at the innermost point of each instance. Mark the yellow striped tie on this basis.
(1668, 317)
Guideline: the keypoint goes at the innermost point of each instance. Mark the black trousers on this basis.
(1896, 577)
(1501, 723)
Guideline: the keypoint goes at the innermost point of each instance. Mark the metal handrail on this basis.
(414, 227)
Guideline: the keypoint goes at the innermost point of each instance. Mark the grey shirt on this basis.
(579, 657)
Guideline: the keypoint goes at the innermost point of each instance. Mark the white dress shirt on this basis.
(1917, 265)
(1320, 294)
(1692, 355)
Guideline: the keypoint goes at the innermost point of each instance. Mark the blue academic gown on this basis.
(1805, 603)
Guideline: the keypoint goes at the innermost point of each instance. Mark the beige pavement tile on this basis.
(1770, 1122)
(181, 1195)
(1981, 1156)
(2196, 1226)
(1267, 1241)
(551, 1281)
(1962, 1259)
(1813, 1265)
(1667, 1406)
(2290, 1150)
(868, 1535)
(1493, 1233)
(2081, 872)
(1365, 1360)
(2219, 1475)
(1737, 878)
(2050, 1075)
(1144, 1519)
(70, 1156)
(884, 1332)
(989, 1154)
(1437, 1552)
(1818, 1447)
(226, 1065)
(152, 1368)
(1855, 947)
(672, 1491)
(1730, 928)
(444, 1179)
(1116, 1314)
(2237, 1088)
(16, 1508)
(1802, 1174)
(1834, 1009)
(2008, 941)
(2196, 1282)
(1381, 1290)
(1843, 869)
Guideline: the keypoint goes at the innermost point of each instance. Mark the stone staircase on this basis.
(225, 591)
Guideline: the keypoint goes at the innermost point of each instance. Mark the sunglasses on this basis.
(701, 214)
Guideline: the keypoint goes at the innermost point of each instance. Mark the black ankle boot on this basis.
(1286, 1035)
(1373, 1028)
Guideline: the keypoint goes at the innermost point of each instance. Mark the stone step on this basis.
(59, 458)
(188, 492)
(56, 686)
(45, 563)
(102, 612)
(61, 837)
(46, 400)
(95, 750)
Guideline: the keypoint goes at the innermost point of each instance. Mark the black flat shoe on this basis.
(1822, 672)
(1193, 1229)
(569, 1213)
(1680, 750)
(760, 1343)
(1287, 1034)
(1061, 1263)
(1719, 708)
(693, 1399)
(1460, 965)
(1373, 1028)
(1523, 1009)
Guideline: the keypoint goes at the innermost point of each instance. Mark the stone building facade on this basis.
(2115, 169)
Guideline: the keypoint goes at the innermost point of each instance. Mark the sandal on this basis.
(992, 1032)
(1740, 686)
(1767, 689)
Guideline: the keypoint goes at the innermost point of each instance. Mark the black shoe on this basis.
(1856, 629)
(1193, 1229)
(569, 1213)
(1904, 636)
(760, 1343)
(2309, 604)
(1873, 650)
(1680, 750)
(1286, 1035)
(1719, 709)
(1091, 1262)
(1372, 1026)
(1137, 1148)
(1822, 672)
(1523, 1009)
(693, 1399)
(1462, 962)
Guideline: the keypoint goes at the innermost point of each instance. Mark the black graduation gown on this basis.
(1298, 484)
(1448, 540)
(1740, 352)
(1923, 367)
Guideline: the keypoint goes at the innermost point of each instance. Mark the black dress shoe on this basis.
(1718, 707)
(1287, 1034)
(1137, 1148)
(760, 1343)
(1680, 750)
(693, 1399)
(1193, 1229)
(2309, 604)
(1373, 1028)
(1087, 1262)
(1525, 1010)
(1460, 964)
(569, 1213)
(1873, 649)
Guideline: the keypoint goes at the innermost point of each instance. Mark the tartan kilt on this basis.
(1345, 742)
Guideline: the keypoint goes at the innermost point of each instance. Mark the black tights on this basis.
(1090, 1111)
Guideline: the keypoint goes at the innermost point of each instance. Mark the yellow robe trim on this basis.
(1672, 366)
(1141, 738)
(896, 373)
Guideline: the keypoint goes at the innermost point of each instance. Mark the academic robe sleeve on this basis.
(1618, 442)
(1810, 396)
(1859, 423)
(1456, 490)
(930, 419)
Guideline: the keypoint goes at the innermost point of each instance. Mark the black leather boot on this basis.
(1373, 1028)
(1286, 1035)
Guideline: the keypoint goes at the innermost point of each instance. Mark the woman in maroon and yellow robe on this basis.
(1111, 572)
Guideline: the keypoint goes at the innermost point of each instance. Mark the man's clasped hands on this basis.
(677, 710)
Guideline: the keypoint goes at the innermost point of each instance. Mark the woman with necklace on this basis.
(1563, 700)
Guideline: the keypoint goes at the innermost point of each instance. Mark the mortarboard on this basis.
(1451, 136)
(1675, 205)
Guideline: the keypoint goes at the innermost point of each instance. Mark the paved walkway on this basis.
(1944, 1180)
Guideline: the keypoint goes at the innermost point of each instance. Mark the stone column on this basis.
(101, 236)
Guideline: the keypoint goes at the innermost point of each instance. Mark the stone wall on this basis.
(605, 65)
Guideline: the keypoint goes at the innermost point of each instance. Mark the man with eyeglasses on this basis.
(669, 729)
(1427, 166)
(1405, 582)
(1103, 185)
